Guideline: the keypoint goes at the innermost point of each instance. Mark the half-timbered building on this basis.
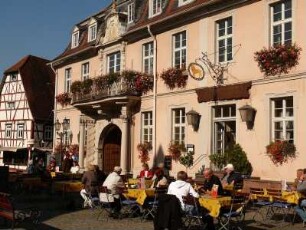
(26, 111)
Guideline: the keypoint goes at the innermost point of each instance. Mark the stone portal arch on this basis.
(110, 143)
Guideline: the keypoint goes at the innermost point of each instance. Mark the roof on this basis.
(38, 80)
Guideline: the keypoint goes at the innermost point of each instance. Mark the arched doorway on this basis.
(111, 148)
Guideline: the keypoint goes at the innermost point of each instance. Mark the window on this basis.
(179, 50)
(281, 23)
(20, 130)
(75, 40)
(148, 56)
(85, 71)
(67, 80)
(14, 77)
(282, 119)
(92, 32)
(178, 125)
(10, 105)
(130, 12)
(114, 62)
(147, 127)
(224, 127)
(225, 40)
(48, 132)
(8, 130)
(155, 7)
(184, 2)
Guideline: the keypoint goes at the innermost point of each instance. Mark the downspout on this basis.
(54, 107)
(154, 90)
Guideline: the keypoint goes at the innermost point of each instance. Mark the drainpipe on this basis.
(54, 107)
(154, 90)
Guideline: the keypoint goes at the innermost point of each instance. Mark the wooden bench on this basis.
(8, 211)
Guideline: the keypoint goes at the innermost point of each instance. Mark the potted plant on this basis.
(144, 149)
(63, 99)
(76, 87)
(174, 77)
(175, 150)
(281, 151)
(187, 159)
(278, 59)
(140, 82)
(86, 86)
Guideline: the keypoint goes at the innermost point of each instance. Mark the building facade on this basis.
(26, 112)
(214, 42)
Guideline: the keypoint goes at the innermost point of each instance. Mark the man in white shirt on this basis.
(181, 188)
(114, 182)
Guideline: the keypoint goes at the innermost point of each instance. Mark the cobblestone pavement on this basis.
(65, 212)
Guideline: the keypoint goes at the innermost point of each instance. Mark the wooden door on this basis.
(111, 157)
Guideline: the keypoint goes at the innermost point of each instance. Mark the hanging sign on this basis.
(196, 71)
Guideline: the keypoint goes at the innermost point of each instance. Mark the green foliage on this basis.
(235, 156)
(86, 85)
(76, 87)
(187, 159)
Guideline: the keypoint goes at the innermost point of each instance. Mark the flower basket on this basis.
(175, 150)
(63, 98)
(140, 82)
(174, 78)
(144, 149)
(76, 87)
(278, 59)
(281, 151)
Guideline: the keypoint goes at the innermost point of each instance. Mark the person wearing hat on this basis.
(114, 184)
(230, 177)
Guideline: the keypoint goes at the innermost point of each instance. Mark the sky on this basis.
(40, 27)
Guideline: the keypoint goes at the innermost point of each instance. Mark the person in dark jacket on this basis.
(231, 177)
(90, 181)
(210, 181)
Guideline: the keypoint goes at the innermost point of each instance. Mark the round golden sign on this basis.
(196, 71)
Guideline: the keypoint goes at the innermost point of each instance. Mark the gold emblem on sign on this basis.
(196, 71)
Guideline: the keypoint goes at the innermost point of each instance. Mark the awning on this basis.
(11, 149)
(224, 92)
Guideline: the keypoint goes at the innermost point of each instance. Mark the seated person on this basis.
(210, 181)
(301, 187)
(160, 180)
(181, 188)
(75, 167)
(299, 173)
(90, 182)
(231, 177)
(145, 172)
(114, 183)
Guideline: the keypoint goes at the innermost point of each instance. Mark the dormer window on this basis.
(75, 39)
(155, 7)
(92, 32)
(130, 12)
(184, 2)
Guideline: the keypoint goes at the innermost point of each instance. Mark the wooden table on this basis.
(67, 186)
(214, 204)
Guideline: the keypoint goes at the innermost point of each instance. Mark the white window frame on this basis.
(227, 38)
(75, 39)
(85, 71)
(130, 13)
(146, 126)
(180, 125)
(8, 130)
(226, 115)
(282, 119)
(92, 32)
(181, 50)
(155, 7)
(282, 23)
(184, 2)
(10, 105)
(67, 82)
(115, 66)
(20, 131)
(48, 132)
(148, 56)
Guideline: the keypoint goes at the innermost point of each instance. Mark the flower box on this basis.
(281, 151)
(174, 78)
(63, 99)
(278, 59)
